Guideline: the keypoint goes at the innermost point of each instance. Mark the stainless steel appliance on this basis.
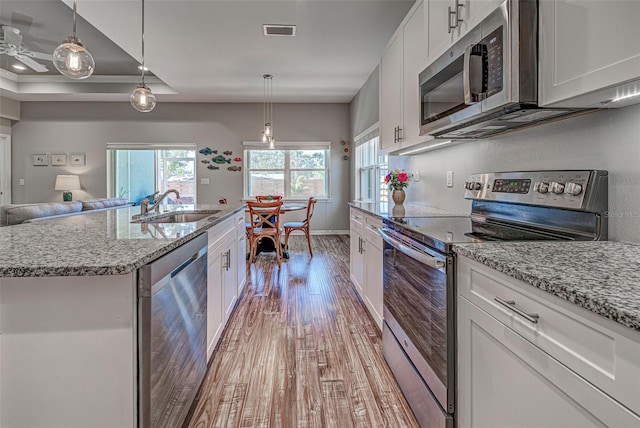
(172, 334)
(418, 338)
(487, 83)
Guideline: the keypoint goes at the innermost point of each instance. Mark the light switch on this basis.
(21, 182)
(416, 175)
(449, 178)
(204, 181)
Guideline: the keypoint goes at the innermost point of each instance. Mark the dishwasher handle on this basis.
(411, 252)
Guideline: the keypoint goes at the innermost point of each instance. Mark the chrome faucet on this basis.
(144, 204)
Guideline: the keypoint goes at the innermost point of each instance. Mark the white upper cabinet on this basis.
(414, 60)
(448, 20)
(402, 61)
(589, 52)
(391, 93)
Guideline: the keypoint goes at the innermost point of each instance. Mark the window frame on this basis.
(111, 149)
(287, 147)
(370, 136)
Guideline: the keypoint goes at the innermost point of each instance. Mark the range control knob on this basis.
(541, 187)
(573, 189)
(472, 185)
(557, 188)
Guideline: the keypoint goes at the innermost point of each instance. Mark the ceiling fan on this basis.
(11, 45)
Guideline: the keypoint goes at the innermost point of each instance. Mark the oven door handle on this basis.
(414, 254)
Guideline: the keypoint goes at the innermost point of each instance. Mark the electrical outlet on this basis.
(449, 178)
(21, 182)
(416, 175)
(204, 181)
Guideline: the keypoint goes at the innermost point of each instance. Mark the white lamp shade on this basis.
(67, 182)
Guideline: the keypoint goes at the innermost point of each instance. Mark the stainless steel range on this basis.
(419, 269)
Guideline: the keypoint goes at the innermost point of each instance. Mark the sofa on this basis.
(27, 213)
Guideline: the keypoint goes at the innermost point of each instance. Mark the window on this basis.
(371, 169)
(290, 171)
(139, 170)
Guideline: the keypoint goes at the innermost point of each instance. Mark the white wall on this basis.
(608, 140)
(88, 127)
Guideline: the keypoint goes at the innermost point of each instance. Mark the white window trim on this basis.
(288, 145)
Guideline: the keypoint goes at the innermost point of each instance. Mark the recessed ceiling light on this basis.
(145, 69)
(19, 67)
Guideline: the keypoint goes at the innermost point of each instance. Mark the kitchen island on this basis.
(68, 314)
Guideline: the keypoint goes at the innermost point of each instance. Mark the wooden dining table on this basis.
(266, 245)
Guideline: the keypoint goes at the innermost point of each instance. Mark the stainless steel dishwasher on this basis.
(172, 334)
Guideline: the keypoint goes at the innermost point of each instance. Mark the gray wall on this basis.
(88, 127)
(607, 140)
(364, 108)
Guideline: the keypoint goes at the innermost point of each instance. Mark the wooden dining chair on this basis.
(301, 225)
(265, 219)
(268, 198)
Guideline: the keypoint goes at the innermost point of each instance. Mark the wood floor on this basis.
(301, 351)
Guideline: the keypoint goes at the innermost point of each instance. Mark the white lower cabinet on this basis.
(506, 379)
(366, 261)
(241, 252)
(221, 280)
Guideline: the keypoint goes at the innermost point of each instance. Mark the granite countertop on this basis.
(101, 243)
(600, 276)
(410, 210)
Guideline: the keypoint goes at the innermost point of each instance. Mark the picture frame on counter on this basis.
(58, 159)
(41, 159)
(77, 158)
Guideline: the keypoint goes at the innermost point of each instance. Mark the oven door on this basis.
(419, 301)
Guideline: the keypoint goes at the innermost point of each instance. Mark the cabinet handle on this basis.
(511, 304)
(359, 245)
(374, 228)
(395, 134)
(399, 135)
(355, 217)
(449, 15)
(457, 13)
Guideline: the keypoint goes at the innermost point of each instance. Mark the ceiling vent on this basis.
(279, 30)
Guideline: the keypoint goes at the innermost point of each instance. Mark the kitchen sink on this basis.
(178, 217)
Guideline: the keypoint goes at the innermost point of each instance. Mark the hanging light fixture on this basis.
(267, 111)
(142, 99)
(71, 58)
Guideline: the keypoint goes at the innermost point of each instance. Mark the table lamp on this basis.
(67, 183)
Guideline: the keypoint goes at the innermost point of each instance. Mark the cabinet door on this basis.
(586, 46)
(391, 92)
(214, 298)
(229, 276)
(506, 381)
(373, 278)
(414, 60)
(356, 261)
(241, 261)
(438, 19)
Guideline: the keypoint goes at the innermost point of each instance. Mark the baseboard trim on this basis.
(323, 232)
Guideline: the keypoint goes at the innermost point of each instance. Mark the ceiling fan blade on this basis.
(36, 66)
(41, 55)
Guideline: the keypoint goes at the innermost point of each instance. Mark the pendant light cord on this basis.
(143, 42)
(74, 18)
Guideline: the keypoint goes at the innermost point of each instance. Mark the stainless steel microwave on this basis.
(487, 82)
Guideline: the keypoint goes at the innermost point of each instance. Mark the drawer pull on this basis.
(355, 217)
(511, 304)
(374, 228)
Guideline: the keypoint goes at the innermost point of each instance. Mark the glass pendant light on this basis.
(267, 111)
(71, 58)
(142, 99)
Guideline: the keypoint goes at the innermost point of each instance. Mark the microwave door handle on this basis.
(466, 75)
